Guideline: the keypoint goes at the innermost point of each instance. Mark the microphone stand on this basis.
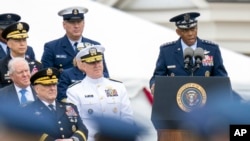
(196, 66)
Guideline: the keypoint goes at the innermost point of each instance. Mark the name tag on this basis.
(171, 66)
(61, 56)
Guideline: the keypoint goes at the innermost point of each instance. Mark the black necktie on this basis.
(52, 109)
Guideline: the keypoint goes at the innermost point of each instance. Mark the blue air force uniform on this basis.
(170, 61)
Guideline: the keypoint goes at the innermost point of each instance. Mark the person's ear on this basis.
(178, 31)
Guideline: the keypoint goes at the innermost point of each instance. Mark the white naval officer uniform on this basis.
(100, 97)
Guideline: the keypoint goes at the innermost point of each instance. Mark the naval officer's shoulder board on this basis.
(76, 82)
(115, 80)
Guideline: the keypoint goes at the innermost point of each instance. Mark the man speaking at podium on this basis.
(189, 55)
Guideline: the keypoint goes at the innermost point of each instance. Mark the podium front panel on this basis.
(168, 111)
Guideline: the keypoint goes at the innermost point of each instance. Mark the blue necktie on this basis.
(75, 47)
(23, 97)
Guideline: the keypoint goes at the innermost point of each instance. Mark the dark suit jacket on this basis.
(70, 123)
(9, 94)
(171, 61)
(4, 76)
(59, 53)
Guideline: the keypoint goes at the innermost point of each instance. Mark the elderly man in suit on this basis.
(20, 91)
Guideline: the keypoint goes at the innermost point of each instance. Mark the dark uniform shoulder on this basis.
(168, 44)
(115, 80)
(208, 42)
(75, 83)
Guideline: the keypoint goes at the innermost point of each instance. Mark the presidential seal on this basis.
(190, 96)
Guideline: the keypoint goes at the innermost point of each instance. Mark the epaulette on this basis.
(75, 83)
(65, 102)
(209, 42)
(115, 80)
(168, 43)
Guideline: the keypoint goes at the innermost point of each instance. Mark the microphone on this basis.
(198, 56)
(188, 55)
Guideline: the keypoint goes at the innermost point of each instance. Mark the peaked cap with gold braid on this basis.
(46, 76)
(91, 54)
(17, 30)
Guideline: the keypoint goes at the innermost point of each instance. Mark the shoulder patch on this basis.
(209, 42)
(75, 83)
(168, 43)
(115, 80)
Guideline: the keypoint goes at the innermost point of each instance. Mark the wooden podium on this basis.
(175, 97)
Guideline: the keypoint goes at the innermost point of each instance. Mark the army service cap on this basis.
(186, 20)
(18, 30)
(45, 76)
(73, 13)
(91, 54)
(7, 19)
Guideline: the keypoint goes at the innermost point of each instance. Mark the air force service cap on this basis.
(186, 20)
(73, 13)
(45, 76)
(7, 19)
(18, 30)
(91, 54)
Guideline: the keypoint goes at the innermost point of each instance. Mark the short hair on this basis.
(13, 62)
